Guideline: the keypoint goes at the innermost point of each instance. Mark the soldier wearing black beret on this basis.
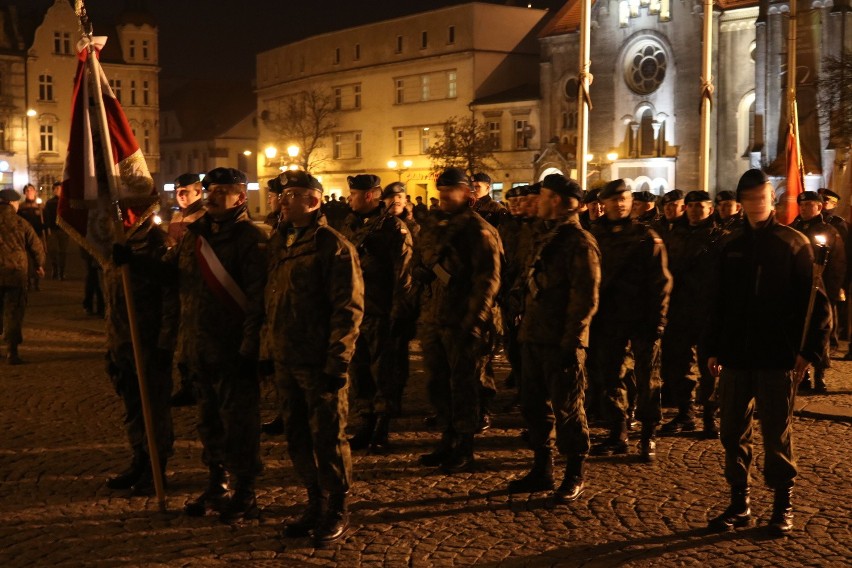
(644, 207)
(673, 209)
(729, 212)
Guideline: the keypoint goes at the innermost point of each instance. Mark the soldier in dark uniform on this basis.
(384, 248)
(18, 242)
(314, 307)
(673, 209)
(458, 268)
(397, 204)
(420, 210)
(31, 210)
(510, 231)
(188, 194)
(693, 252)
(729, 212)
(561, 286)
(57, 239)
(811, 222)
(594, 208)
(840, 309)
(220, 268)
(644, 207)
(485, 206)
(756, 347)
(634, 300)
(156, 320)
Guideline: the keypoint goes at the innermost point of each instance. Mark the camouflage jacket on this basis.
(209, 331)
(182, 219)
(156, 305)
(562, 283)
(314, 299)
(384, 247)
(463, 253)
(407, 217)
(18, 240)
(491, 211)
(635, 280)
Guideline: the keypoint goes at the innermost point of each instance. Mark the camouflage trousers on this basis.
(552, 400)
(13, 300)
(158, 378)
(452, 362)
(684, 365)
(607, 354)
(375, 385)
(229, 417)
(774, 392)
(315, 428)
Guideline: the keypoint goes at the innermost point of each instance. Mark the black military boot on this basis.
(539, 478)
(334, 523)
(819, 381)
(274, 427)
(441, 453)
(242, 504)
(127, 478)
(684, 421)
(616, 442)
(214, 496)
(144, 486)
(364, 433)
(184, 396)
(461, 457)
(572, 485)
(738, 513)
(12, 356)
(310, 517)
(379, 440)
(647, 443)
(711, 431)
(805, 385)
(781, 522)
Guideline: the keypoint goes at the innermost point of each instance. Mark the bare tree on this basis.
(463, 143)
(835, 93)
(307, 119)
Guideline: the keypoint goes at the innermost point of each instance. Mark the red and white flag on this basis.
(86, 209)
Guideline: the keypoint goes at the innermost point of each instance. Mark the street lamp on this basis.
(293, 153)
(399, 169)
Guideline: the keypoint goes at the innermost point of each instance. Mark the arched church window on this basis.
(646, 134)
(645, 67)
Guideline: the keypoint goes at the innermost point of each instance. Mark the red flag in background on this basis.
(795, 182)
(85, 206)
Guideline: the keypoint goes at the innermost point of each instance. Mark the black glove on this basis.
(247, 366)
(332, 383)
(265, 367)
(121, 254)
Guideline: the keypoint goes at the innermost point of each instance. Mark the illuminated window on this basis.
(424, 88)
(451, 85)
(425, 140)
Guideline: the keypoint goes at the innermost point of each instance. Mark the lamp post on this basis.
(611, 157)
(399, 168)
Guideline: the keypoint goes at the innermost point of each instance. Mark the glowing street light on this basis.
(31, 112)
(400, 168)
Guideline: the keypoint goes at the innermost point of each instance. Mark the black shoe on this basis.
(362, 436)
(334, 523)
(647, 450)
(539, 478)
(609, 447)
(678, 424)
(781, 522)
(241, 505)
(461, 458)
(184, 397)
(379, 439)
(805, 385)
(311, 516)
(430, 422)
(440, 454)
(274, 427)
(710, 431)
(214, 497)
(738, 513)
(145, 487)
(129, 477)
(569, 490)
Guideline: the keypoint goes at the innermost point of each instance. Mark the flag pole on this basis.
(584, 98)
(120, 238)
(706, 97)
(792, 108)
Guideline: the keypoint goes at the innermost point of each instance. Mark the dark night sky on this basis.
(202, 38)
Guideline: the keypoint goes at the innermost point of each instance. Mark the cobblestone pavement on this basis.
(61, 436)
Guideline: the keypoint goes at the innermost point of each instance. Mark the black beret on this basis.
(481, 177)
(613, 188)
(726, 195)
(184, 180)
(592, 195)
(828, 194)
(392, 189)
(644, 196)
(697, 196)
(300, 179)
(452, 176)
(223, 176)
(534, 189)
(511, 193)
(672, 196)
(750, 179)
(809, 196)
(565, 187)
(9, 195)
(364, 181)
(522, 190)
(274, 185)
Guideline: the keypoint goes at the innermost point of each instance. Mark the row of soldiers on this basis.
(321, 310)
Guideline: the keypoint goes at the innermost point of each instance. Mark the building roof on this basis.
(567, 19)
(205, 117)
(520, 93)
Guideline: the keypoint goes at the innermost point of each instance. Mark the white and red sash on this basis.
(217, 278)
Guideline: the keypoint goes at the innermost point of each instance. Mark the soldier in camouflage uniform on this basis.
(31, 210)
(511, 304)
(459, 269)
(561, 297)
(220, 268)
(397, 203)
(693, 247)
(314, 307)
(18, 241)
(384, 248)
(594, 208)
(156, 322)
(634, 299)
